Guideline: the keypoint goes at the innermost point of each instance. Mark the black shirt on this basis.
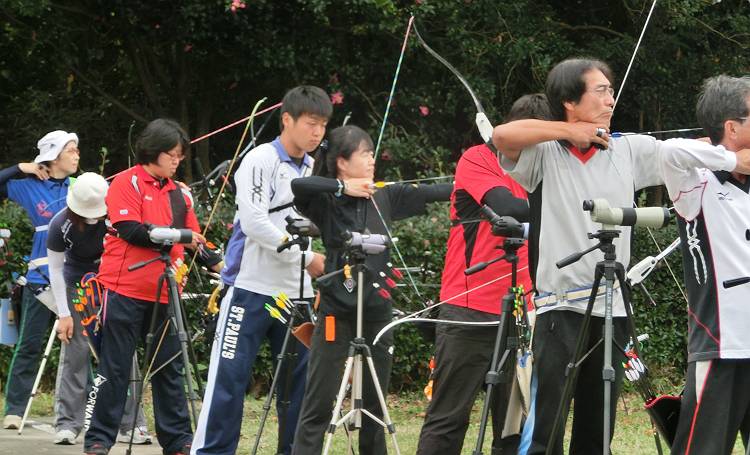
(83, 248)
(314, 197)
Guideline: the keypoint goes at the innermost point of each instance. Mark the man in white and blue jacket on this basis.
(256, 273)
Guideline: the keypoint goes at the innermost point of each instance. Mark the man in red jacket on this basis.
(463, 353)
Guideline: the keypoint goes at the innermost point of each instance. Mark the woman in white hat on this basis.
(74, 249)
(40, 187)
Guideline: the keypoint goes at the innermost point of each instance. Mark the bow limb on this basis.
(414, 316)
(664, 253)
(482, 122)
(429, 321)
(248, 125)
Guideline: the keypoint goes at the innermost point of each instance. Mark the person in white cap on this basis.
(40, 188)
(74, 248)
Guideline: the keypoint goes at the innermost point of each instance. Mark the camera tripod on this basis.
(610, 270)
(501, 366)
(175, 322)
(287, 351)
(354, 369)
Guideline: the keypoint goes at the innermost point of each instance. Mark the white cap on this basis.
(52, 144)
(86, 195)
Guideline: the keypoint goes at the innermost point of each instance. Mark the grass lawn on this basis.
(632, 435)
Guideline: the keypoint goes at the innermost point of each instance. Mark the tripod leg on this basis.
(381, 398)
(608, 371)
(493, 375)
(193, 357)
(145, 373)
(179, 325)
(34, 389)
(339, 403)
(561, 417)
(274, 381)
(284, 403)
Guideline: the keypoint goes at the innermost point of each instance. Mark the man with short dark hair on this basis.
(256, 273)
(709, 187)
(561, 163)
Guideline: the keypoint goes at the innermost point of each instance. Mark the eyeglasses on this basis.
(174, 157)
(741, 119)
(603, 91)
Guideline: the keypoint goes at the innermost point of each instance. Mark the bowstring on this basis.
(393, 86)
(377, 149)
(627, 73)
(617, 99)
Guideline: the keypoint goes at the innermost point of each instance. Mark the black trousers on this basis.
(324, 372)
(462, 358)
(715, 405)
(555, 336)
(126, 320)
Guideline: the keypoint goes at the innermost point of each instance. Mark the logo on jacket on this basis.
(41, 210)
(694, 248)
(724, 196)
(256, 193)
(349, 284)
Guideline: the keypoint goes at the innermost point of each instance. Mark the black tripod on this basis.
(175, 323)
(287, 352)
(501, 367)
(354, 367)
(610, 270)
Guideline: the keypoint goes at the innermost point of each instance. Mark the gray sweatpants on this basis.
(74, 378)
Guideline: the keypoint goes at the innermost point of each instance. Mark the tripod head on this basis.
(515, 234)
(605, 237)
(301, 227)
(505, 226)
(300, 231)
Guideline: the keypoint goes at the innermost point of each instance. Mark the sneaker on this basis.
(185, 450)
(65, 437)
(141, 436)
(96, 449)
(12, 422)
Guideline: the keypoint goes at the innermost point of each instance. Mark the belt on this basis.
(38, 262)
(546, 299)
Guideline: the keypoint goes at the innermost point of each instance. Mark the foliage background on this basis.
(105, 67)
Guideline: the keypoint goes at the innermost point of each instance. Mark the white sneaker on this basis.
(141, 436)
(65, 437)
(12, 422)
